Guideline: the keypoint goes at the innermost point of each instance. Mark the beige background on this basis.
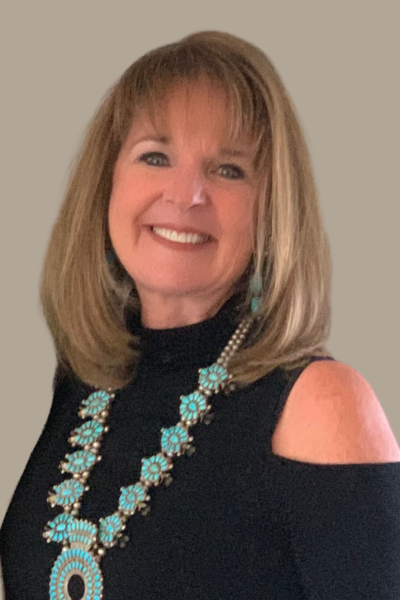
(339, 61)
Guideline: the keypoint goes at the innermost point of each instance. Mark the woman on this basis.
(189, 259)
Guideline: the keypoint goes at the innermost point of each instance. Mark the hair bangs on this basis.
(145, 86)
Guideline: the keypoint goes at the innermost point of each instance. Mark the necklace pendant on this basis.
(76, 563)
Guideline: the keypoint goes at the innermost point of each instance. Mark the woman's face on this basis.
(180, 214)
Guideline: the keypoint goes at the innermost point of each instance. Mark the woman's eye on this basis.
(231, 172)
(154, 159)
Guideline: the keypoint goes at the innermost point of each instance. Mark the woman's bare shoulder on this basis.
(332, 415)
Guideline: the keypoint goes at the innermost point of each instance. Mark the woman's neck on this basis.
(171, 310)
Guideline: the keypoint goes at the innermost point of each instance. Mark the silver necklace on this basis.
(84, 543)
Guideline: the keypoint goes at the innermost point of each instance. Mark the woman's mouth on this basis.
(179, 236)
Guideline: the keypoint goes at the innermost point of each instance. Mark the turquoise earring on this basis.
(255, 287)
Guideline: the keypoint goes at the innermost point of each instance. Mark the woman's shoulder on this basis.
(332, 415)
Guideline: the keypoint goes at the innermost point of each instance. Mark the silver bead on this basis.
(123, 541)
(167, 480)
(208, 418)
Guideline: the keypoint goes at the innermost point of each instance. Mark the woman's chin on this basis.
(173, 287)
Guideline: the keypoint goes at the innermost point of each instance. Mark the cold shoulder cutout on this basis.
(332, 415)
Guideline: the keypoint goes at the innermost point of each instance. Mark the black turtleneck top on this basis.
(237, 521)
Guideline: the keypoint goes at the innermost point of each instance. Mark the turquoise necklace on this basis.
(84, 543)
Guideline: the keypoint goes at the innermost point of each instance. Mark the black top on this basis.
(237, 521)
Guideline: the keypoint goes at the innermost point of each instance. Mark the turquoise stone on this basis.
(173, 439)
(255, 304)
(68, 492)
(88, 433)
(109, 529)
(79, 461)
(81, 533)
(76, 561)
(95, 404)
(213, 378)
(256, 284)
(56, 530)
(192, 407)
(131, 496)
(153, 468)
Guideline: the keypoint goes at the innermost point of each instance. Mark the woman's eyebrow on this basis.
(232, 152)
(162, 139)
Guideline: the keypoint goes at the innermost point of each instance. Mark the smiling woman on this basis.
(189, 261)
(180, 218)
(156, 102)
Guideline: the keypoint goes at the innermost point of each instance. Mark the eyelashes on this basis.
(235, 171)
(159, 159)
(154, 159)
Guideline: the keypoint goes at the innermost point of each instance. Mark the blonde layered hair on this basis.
(85, 299)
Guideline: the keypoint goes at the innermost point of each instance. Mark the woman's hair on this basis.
(85, 296)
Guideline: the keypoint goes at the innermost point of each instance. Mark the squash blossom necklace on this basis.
(84, 543)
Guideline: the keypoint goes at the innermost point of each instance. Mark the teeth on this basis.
(183, 238)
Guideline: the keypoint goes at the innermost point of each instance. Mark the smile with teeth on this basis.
(182, 238)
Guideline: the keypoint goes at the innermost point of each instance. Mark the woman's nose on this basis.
(186, 190)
